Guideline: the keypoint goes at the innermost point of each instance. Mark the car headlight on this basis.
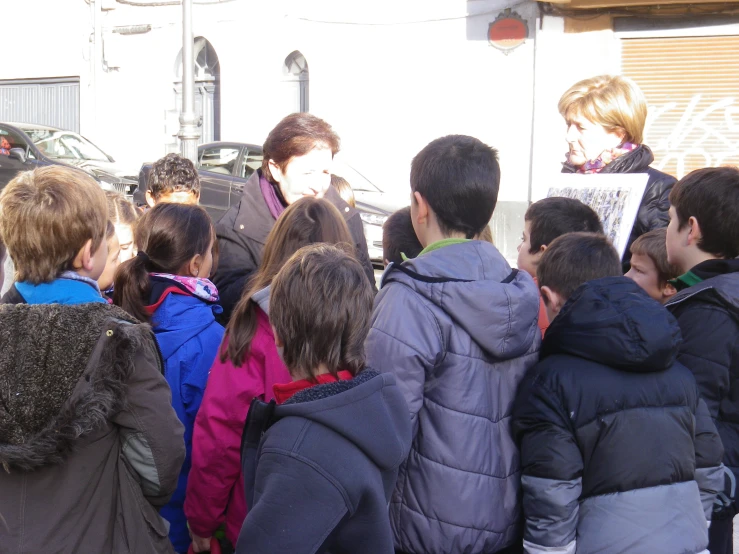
(373, 219)
(105, 185)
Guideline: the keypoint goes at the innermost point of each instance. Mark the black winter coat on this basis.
(618, 452)
(655, 204)
(242, 233)
(708, 314)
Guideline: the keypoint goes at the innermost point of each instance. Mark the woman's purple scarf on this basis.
(270, 197)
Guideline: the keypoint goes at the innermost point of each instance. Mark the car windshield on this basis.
(357, 181)
(65, 145)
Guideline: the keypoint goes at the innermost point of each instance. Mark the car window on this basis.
(251, 162)
(218, 159)
(65, 145)
(10, 139)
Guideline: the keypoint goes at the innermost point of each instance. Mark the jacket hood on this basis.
(180, 318)
(474, 285)
(261, 297)
(42, 368)
(345, 407)
(613, 322)
(63, 290)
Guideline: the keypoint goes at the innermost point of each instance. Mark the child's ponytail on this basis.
(131, 286)
(168, 236)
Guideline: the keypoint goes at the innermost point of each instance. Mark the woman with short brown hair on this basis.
(297, 161)
(605, 119)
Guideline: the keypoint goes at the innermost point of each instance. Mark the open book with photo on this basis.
(615, 198)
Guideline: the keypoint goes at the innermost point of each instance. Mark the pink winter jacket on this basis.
(215, 490)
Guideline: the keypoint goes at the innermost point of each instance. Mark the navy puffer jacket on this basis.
(619, 453)
(708, 315)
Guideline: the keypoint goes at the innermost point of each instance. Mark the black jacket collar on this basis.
(636, 161)
(254, 218)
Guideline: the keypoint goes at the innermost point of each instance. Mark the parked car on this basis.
(30, 146)
(224, 167)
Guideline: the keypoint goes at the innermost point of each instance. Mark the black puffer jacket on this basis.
(708, 314)
(242, 233)
(619, 454)
(655, 204)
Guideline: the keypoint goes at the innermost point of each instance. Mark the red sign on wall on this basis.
(508, 31)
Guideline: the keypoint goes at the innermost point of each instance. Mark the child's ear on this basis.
(695, 234)
(150, 199)
(193, 266)
(84, 259)
(552, 300)
(422, 213)
(668, 291)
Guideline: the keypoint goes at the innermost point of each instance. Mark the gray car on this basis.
(25, 146)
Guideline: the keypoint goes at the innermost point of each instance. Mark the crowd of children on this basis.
(467, 407)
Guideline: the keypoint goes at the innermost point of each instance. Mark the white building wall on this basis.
(562, 59)
(390, 76)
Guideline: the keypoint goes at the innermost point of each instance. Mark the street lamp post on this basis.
(189, 132)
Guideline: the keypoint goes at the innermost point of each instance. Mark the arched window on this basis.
(296, 73)
(207, 89)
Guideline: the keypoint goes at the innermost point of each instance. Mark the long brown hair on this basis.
(307, 221)
(168, 237)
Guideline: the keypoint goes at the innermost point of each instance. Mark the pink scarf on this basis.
(606, 157)
(197, 286)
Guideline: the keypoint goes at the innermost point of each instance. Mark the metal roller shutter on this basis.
(692, 88)
(54, 102)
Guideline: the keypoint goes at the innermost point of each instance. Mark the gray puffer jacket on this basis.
(459, 329)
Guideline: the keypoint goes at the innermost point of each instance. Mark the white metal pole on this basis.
(189, 132)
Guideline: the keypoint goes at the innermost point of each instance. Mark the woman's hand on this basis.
(200, 544)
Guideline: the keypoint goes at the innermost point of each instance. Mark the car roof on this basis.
(229, 143)
(26, 126)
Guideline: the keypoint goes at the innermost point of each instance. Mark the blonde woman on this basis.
(605, 119)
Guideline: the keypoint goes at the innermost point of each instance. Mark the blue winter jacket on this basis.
(189, 338)
(458, 329)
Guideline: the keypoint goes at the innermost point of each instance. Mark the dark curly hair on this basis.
(173, 173)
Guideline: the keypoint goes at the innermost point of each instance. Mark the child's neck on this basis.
(300, 375)
(697, 257)
(435, 235)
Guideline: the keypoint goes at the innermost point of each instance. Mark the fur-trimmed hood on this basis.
(62, 375)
